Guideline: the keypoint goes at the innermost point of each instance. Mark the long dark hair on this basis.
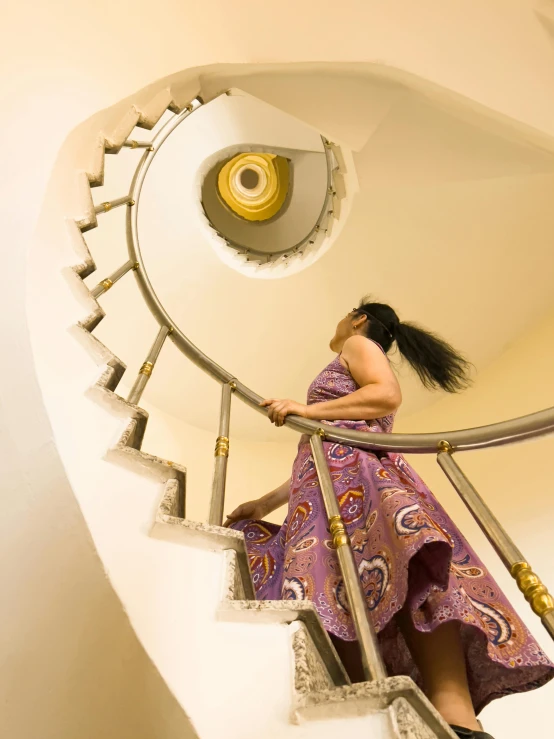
(437, 364)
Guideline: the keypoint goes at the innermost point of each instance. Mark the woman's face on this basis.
(343, 331)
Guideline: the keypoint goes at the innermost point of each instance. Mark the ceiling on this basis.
(452, 225)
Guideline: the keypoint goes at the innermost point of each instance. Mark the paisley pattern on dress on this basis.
(408, 553)
(374, 575)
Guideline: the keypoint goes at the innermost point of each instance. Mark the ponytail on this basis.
(437, 364)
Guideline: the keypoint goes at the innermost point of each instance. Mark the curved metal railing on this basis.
(443, 443)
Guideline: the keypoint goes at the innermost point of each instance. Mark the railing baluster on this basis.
(221, 455)
(111, 204)
(374, 668)
(147, 366)
(110, 281)
(528, 582)
(132, 144)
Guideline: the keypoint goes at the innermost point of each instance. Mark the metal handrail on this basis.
(480, 437)
(528, 582)
(221, 455)
(148, 365)
(108, 282)
(111, 204)
(372, 661)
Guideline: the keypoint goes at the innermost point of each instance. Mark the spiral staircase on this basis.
(312, 694)
(319, 686)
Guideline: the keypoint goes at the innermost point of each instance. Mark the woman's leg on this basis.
(440, 659)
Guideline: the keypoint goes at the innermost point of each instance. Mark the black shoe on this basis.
(463, 733)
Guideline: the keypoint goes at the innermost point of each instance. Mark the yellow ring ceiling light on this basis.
(254, 186)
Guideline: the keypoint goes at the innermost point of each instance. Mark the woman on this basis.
(439, 615)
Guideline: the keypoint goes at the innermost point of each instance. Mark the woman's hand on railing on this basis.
(278, 410)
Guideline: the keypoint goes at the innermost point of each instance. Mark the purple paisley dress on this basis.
(408, 552)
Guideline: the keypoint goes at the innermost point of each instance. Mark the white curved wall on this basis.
(77, 61)
(70, 663)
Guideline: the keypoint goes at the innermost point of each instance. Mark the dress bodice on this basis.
(335, 381)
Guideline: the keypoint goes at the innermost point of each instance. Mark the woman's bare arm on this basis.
(276, 498)
(261, 507)
(379, 393)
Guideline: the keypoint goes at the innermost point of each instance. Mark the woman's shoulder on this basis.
(358, 343)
